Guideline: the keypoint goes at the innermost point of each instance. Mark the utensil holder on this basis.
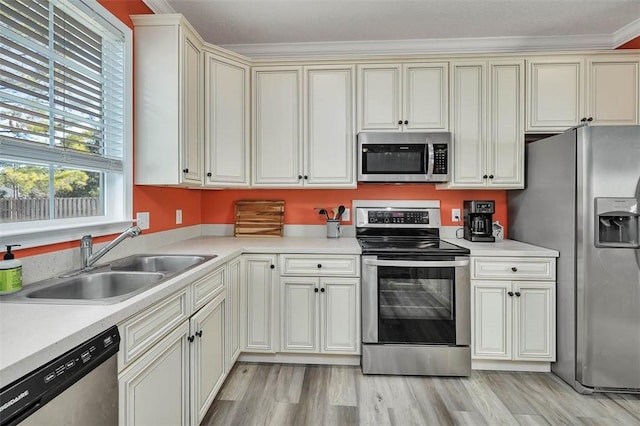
(333, 228)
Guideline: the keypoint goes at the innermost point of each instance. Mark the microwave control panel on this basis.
(440, 159)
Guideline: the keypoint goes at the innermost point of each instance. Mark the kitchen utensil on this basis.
(259, 218)
(341, 210)
(322, 211)
(335, 213)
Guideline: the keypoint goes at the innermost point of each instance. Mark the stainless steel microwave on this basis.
(403, 157)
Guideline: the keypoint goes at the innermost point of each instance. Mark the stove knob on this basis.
(386, 220)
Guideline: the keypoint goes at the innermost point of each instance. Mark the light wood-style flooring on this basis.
(285, 394)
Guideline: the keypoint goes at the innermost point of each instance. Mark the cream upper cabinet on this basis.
(329, 123)
(226, 122)
(409, 97)
(168, 104)
(555, 93)
(487, 112)
(277, 126)
(613, 95)
(303, 127)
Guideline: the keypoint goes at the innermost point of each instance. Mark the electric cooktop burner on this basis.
(408, 245)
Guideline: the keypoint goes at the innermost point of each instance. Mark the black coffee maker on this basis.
(478, 220)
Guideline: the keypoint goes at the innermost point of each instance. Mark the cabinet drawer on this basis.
(320, 265)
(206, 288)
(513, 268)
(143, 330)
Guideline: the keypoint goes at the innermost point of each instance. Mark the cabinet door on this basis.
(232, 324)
(491, 320)
(426, 97)
(226, 122)
(329, 134)
(468, 112)
(613, 92)
(379, 97)
(207, 356)
(299, 308)
(191, 120)
(260, 301)
(277, 136)
(155, 390)
(534, 321)
(340, 318)
(555, 94)
(505, 143)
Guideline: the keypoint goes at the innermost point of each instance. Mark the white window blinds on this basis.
(62, 78)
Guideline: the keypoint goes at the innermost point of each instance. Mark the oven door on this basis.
(416, 300)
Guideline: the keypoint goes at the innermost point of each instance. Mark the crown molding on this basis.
(421, 47)
(626, 33)
(159, 6)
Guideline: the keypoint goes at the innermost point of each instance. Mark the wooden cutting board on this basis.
(259, 218)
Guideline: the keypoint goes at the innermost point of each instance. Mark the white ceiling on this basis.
(292, 27)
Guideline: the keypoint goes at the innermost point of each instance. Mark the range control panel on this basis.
(398, 216)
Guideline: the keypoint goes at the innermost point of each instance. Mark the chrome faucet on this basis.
(86, 246)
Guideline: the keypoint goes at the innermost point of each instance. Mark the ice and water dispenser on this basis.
(617, 222)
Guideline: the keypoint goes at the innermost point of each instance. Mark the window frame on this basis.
(120, 188)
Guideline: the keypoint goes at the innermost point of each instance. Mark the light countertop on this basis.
(509, 248)
(32, 334)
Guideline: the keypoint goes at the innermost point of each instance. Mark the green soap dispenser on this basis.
(10, 272)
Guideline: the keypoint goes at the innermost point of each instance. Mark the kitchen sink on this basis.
(97, 286)
(110, 283)
(156, 263)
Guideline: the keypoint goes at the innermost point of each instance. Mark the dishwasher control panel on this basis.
(24, 396)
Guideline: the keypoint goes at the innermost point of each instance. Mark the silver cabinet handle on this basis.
(416, 264)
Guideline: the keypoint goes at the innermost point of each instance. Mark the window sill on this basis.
(30, 235)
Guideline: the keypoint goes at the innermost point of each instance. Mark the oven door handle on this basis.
(416, 264)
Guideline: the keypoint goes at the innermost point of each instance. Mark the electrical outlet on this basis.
(178, 217)
(142, 220)
(455, 215)
(346, 215)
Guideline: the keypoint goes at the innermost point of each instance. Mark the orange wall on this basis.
(631, 44)
(218, 206)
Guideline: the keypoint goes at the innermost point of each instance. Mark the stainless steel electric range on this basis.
(415, 291)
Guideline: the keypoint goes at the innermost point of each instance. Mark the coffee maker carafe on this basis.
(478, 220)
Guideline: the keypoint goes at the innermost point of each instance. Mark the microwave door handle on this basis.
(416, 264)
(431, 159)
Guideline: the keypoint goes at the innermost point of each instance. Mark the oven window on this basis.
(393, 159)
(416, 305)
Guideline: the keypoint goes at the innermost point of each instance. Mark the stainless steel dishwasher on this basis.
(79, 387)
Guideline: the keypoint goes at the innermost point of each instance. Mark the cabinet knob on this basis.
(319, 265)
(209, 174)
(299, 177)
(518, 293)
(306, 177)
(322, 290)
(510, 293)
(490, 176)
(484, 176)
(590, 119)
(399, 121)
(315, 289)
(514, 269)
(406, 121)
(272, 266)
(191, 338)
(199, 333)
(185, 170)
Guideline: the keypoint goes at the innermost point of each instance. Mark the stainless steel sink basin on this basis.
(157, 263)
(106, 284)
(96, 286)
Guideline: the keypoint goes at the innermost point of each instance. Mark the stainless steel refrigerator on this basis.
(581, 198)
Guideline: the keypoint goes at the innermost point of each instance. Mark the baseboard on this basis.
(286, 358)
(535, 366)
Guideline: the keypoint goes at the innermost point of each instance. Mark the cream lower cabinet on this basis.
(320, 303)
(233, 321)
(487, 114)
(172, 363)
(320, 315)
(513, 314)
(259, 300)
